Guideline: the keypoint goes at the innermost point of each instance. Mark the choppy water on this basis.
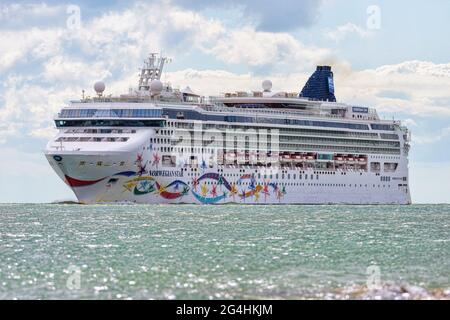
(204, 252)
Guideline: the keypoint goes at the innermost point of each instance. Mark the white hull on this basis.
(162, 145)
(221, 185)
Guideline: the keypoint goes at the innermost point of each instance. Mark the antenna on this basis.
(151, 70)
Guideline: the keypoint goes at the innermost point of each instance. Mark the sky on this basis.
(390, 55)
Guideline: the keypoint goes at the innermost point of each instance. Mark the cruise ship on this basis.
(160, 145)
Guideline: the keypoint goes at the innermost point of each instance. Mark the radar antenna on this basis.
(152, 70)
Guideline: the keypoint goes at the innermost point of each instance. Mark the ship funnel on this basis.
(320, 86)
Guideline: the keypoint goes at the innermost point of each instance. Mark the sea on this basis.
(70, 251)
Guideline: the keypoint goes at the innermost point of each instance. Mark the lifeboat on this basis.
(273, 157)
(240, 156)
(231, 154)
(286, 156)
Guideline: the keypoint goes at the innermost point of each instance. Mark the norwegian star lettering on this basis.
(165, 173)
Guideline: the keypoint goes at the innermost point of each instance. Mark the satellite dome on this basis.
(156, 86)
(267, 85)
(99, 87)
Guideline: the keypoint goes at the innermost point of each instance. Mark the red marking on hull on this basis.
(80, 183)
(170, 195)
(166, 194)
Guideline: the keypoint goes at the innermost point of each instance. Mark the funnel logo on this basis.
(330, 85)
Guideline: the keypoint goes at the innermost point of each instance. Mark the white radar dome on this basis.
(156, 87)
(267, 85)
(99, 87)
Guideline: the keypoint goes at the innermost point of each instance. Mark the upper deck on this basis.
(321, 115)
(158, 102)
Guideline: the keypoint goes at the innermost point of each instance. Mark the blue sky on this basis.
(392, 55)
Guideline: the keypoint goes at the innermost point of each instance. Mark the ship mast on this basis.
(151, 70)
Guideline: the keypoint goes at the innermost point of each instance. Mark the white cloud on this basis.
(124, 37)
(343, 31)
(257, 48)
(410, 123)
(415, 67)
(215, 82)
(69, 70)
(47, 132)
(110, 47)
(443, 134)
(423, 82)
(35, 43)
(31, 107)
(8, 130)
(267, 15)
(15, 16)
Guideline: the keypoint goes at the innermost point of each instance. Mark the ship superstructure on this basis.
(162, 145)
